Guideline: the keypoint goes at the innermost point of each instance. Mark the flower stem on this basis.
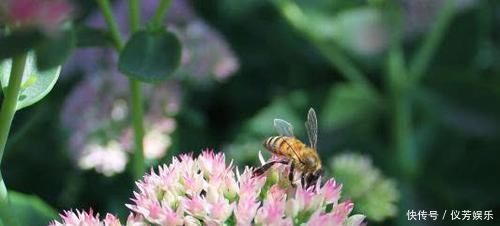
(136, 101)
(294, 15)
(111, 22)
(6, 115)
(134, 15)
(157, 19)
(134, 85)
(427, 50)
(344, 65)
(10, 99)
(137, 120)
(400, 84)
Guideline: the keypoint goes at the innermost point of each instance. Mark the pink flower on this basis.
(44, 14)
(111, 220)
(273, 209)
(77, 218)
(331, 191)
(196, 206)
(337, 217)
(220, 210)
(206, 191)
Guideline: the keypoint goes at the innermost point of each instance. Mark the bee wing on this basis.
(312, 128)
(283, 127)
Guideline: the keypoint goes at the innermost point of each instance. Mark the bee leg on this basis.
(261, 170)
(290, 175)
(310, 180)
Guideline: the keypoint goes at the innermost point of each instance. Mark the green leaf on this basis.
(18, 42)
(36, 84)
(348, 103)
(150, 56)
(53, 51)
(30, 210)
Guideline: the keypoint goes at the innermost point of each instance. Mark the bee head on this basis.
(319, 172)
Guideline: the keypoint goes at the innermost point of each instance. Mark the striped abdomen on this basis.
(283, 145)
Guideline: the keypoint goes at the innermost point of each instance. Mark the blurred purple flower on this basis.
(107, 159)
(205, 53)
(96, 117)
(420, 15)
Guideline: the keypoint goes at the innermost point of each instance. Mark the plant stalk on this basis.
(7, 112)
(111, 23)
(139, 165)
(134, 15)
(157, 19)
(427, 50)
(294, 15)
(399, 88)
(137, 121)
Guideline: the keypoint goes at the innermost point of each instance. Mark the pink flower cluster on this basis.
(206, 191)
(82, 218)
(44, 14)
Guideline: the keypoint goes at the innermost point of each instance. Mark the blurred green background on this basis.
(414, 86)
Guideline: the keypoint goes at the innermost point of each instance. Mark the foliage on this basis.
(30, 209)
(150, 56)
(374, 195)
(35, 85)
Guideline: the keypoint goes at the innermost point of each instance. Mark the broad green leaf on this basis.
(18, 42)
(150, 56)
(53, 51)
(349, 103)
(30, 210)
(36, 84)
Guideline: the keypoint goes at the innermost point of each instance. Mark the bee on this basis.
(294, 152)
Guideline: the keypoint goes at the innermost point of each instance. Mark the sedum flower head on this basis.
(375, 195)
(206, 191)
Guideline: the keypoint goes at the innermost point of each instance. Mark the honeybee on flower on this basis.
(294, 152)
